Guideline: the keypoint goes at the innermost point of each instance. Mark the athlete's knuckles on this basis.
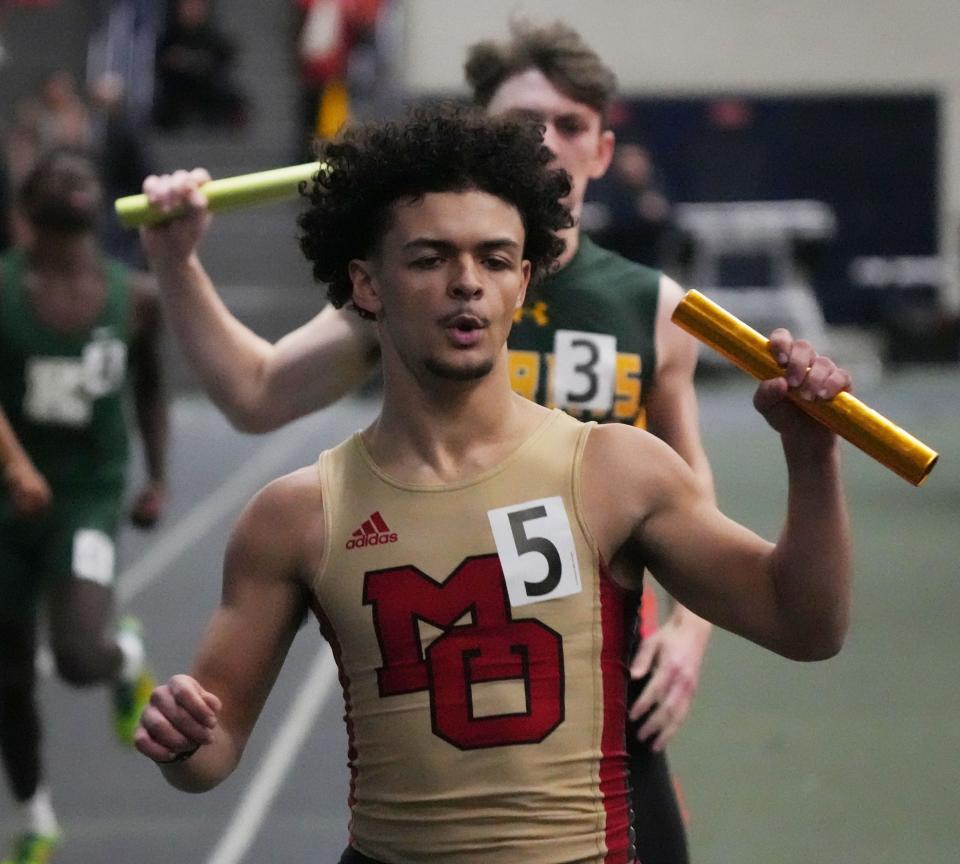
(153, 723)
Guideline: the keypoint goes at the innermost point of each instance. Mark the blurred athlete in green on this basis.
(70, 324)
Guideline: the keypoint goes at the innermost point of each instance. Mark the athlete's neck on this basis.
(451, 432)
(63, 254)
(571, 237)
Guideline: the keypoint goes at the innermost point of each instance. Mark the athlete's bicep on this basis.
(263, 601)
(645, 507)
(714, 566)
(315, 365)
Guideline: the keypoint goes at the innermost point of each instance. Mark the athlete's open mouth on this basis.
(464, 323)
(465, 330)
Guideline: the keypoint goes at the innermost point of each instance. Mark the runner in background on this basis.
(76, 332)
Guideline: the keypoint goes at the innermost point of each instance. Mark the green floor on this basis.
(856, 760)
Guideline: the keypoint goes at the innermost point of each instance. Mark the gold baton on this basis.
(844, 414)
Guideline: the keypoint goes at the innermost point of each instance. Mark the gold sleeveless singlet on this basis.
(482, 652)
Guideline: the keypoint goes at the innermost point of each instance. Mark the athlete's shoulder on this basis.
(283, 521)
(611, 268)
(627, 474)
(283, 498)
(638, 461)
(614, 259)
(613, 444)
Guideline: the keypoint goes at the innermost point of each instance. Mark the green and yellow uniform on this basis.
(584, 340)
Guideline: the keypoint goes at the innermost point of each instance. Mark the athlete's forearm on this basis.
(811, 562)
(227, 356)
(153, 420)
(206, 768)
(258, 385)
(150, 402)
(11, 451)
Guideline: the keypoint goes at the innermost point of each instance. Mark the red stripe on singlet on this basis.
(616, 622)
(326, 629)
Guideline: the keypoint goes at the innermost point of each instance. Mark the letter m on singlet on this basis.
(402, 597)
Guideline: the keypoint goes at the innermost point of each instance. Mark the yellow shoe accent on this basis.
(129, 700)
(131, 697)
(32, 848)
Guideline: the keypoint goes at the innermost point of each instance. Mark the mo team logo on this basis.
(373, 532)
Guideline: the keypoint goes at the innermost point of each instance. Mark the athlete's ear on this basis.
(525, 270)
(366, 295)
(604, 155)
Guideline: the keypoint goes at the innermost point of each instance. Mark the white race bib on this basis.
(93, 556)
(536, 549)
(55, 392)
(584, 372)
(104, 366)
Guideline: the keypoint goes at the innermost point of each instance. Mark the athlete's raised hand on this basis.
(808, 374)
(179, 195)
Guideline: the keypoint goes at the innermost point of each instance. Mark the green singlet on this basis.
(584, 340)
(64, 392)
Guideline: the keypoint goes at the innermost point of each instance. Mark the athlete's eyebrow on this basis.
(446, 246)
(527, 114)
(541, 116)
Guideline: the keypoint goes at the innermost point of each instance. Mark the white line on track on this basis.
(207, 513)
(256, 802)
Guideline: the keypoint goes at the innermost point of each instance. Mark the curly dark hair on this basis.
(557, 50)
(443, 148)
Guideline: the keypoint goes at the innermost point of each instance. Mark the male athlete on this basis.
(69, 322)
(483, 642)
(595, 339)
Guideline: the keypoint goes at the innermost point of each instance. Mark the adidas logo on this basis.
(373, 532)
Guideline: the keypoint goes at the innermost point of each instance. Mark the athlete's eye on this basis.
(570, 126)
(426, 262)
(497, 264)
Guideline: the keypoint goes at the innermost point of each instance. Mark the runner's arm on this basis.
(206, 718)
(146, 367)
(258, 385)
(793, 596)
(28, 488)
